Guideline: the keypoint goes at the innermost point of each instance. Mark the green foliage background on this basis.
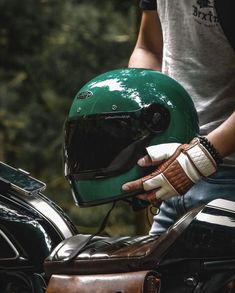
(48, 50)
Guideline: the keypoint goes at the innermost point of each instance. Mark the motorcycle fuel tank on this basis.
(30, 224)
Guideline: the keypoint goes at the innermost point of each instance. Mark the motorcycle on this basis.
(42, 251)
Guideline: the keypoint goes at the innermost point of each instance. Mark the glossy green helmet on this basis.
(113, 118)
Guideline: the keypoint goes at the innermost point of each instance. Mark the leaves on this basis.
(48, 50)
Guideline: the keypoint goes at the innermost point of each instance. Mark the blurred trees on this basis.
(48, 50)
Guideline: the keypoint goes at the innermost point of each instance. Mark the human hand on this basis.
(178, 167)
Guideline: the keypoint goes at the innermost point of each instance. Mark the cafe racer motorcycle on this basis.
(41, 249)
(37, 240)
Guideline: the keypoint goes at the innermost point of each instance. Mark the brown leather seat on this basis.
(102, 255)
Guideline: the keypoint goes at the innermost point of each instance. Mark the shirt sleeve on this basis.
(148, 4)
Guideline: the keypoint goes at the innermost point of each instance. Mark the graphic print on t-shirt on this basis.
(204, 13)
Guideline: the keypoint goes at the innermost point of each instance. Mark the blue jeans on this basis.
(219, 185)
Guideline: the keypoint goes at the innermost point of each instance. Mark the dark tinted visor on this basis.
(103, 145)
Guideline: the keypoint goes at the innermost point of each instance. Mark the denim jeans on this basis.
(219, 185)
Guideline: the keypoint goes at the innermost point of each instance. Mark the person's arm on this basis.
(223, 137)
(148, 49)
(181, 166)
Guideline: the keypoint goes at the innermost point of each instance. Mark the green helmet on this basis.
(113, 118)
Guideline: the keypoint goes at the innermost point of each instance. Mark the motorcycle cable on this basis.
(86, 239)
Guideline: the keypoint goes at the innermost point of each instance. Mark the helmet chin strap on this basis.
(86, 239)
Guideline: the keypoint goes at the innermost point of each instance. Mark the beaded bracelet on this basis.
(211, 149)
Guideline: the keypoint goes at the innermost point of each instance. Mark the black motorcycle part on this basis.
(31, 226)
(187, 256)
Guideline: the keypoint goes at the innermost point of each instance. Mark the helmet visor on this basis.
(99, 146)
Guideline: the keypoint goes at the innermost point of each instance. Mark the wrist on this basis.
(211, 149)
(200, 158)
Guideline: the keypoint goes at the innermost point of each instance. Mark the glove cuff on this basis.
(211, 149)
(201, 158)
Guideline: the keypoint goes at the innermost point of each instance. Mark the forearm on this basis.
(143, 58)
(223, 137)
(148, 50)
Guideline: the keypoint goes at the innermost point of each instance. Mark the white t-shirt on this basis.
(198, 55)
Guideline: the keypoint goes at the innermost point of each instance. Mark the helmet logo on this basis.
(85, 95)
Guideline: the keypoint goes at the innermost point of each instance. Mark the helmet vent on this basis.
(84, 95)
(156, 117)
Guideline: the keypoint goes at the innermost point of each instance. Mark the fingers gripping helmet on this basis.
(113, 118)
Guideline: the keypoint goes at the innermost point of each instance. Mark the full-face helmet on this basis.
(112, 119)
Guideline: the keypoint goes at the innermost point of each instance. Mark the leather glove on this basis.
(181, 166)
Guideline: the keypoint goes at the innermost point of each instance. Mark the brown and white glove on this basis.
(181, 166)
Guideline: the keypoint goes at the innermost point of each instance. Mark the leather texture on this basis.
(201, 158)
(180, 171)
(106, 255)
(177, 177)
(133, 282)
(111, 264)
(173, 173)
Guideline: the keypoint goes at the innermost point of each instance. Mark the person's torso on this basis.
(198, 55)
